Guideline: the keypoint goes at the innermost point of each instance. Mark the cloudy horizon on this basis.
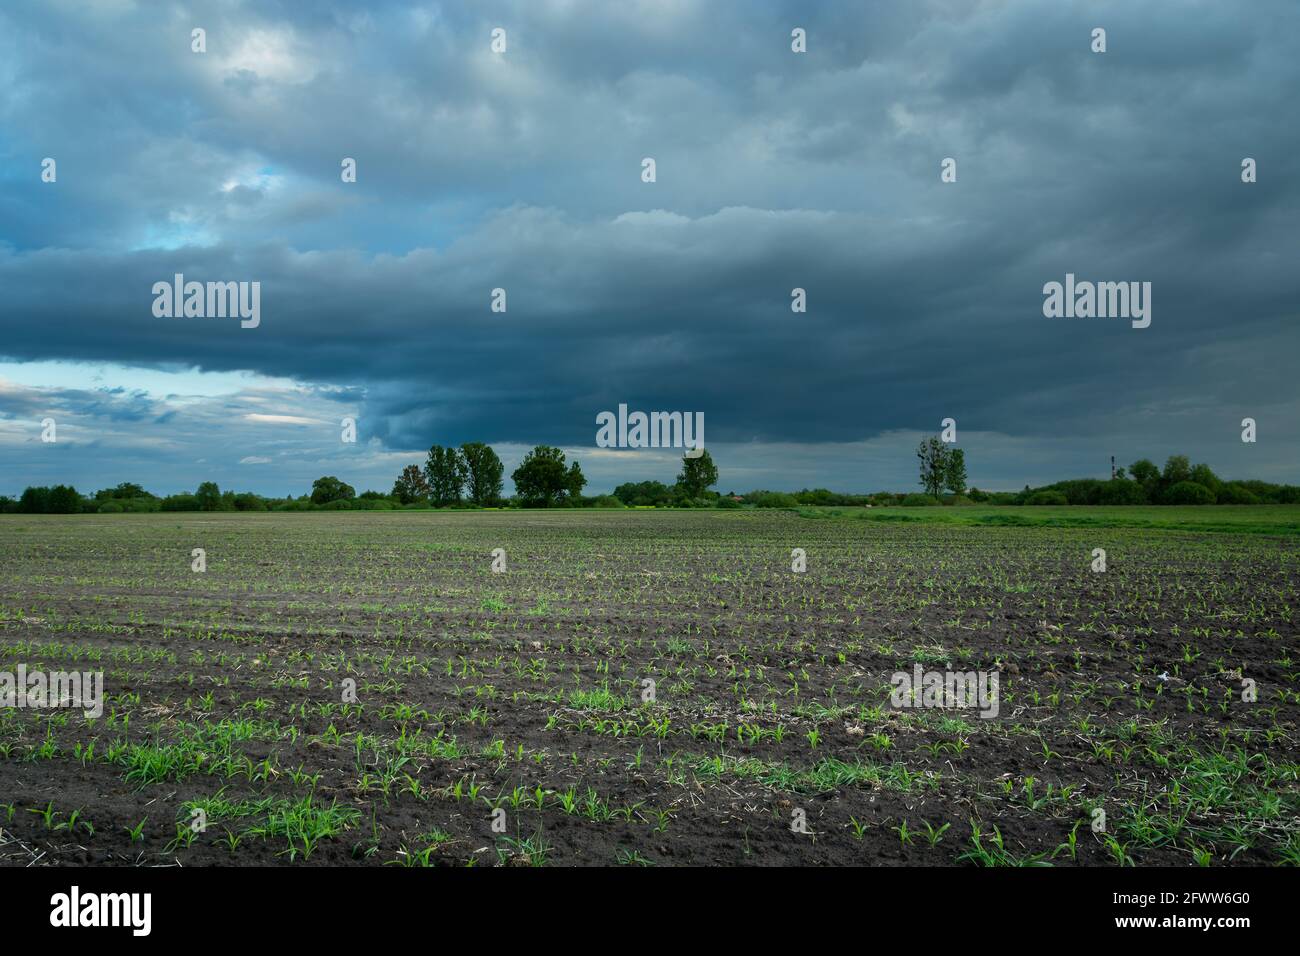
(523, 170)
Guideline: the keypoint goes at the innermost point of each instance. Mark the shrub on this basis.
(1047, 498)
(771, 499)
(1235, 493)
(825, 497)
(1079, 491)
(642, 493)
(1189, 493)
(1003, 498)
(919, 501)
(293, 504)
(140, 505)
(328, 489)
(1122, 491)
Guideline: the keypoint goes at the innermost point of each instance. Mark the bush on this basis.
(604, 501)
(1235, 493)
(823, 497)
(1047, 498)
(771, 499)
(1122, 491)
(329, 489)
(919, 501)
(1080, 491)
(140, 505)
(1189, 493)
(1003, 498)
(642, 493)
(726, 502)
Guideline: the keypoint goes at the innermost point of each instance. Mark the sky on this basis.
(522, 169)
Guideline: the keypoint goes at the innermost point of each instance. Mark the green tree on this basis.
(1235, 493)
(574, 482)
(327, 489)
(698, 474)
(642, 493)
(34, 500)
(1145, 473)
(64, 500)
(446, 473)
(934, 464)
(1178, 468)
(1202, 475)
(411, 486)
(209, 496)
(125, 490)
(1121, 491)
(542, 478)
(484, 471)
(59, 500)
(1189, 493)
(954, 472)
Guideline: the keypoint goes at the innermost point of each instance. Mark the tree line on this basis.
(468, 476)
(1145, 483)
(472, 476)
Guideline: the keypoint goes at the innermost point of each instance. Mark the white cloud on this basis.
(282, 419)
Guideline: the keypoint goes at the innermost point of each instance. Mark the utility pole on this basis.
(1112, 467)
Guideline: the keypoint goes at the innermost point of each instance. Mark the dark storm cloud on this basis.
(819, 171)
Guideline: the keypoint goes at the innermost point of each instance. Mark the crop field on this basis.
(654, 688)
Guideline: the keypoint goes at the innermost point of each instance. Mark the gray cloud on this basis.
(818, 171)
